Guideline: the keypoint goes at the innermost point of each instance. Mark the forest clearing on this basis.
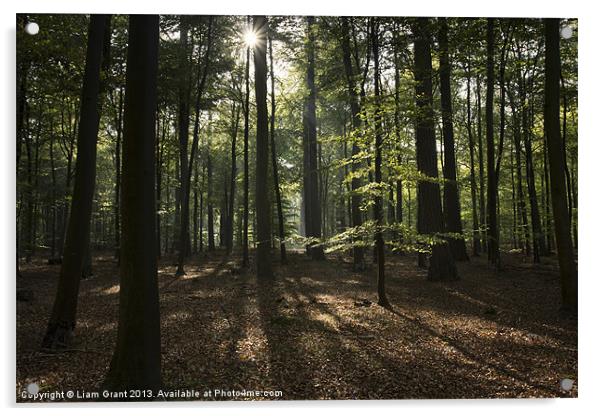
(317, 333)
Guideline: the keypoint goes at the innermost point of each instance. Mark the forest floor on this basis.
(317, 333)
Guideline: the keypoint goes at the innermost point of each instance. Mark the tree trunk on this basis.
(482, 217)
(430, 215)
(183, 127)
(451, 198)
(245, 208)
(262, 203)
(493, 251)
(118, 120)
(186, 177)
(356, 199)
(136, 362)
(62, 320)
(281, 234)
(566, 257)
(379, 242)
(313, 221)
(476, 240)
(230, 223)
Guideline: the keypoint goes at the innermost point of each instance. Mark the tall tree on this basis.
(356, 122)
(451, 198)
(493, 251)
(566, 257)
(274, 159)
(378, 200)
(182, 234)
(476, 240)
(430, 215)
(262, 205)
(136, 362)
(313, 217)
(62, 320)
(245, 208)
(187, 173)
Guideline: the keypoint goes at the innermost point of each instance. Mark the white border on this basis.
(590, 154)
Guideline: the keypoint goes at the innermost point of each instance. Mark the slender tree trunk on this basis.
(566, 257)
(356, 199)
(136, 362)
(493, 251)
(482, 217)
(210, 220)
(379, 242)
(451, 197)
(230, 224)
(118, 172)
(310, 121)
(430, 214)
(476, 241)
(262, 204)
(245, 209)
(281, 234)
(186, 177)
(62, 320)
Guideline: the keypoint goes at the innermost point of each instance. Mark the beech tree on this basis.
(63, 318)
(562, 228)
(136, 362)
(430, 214)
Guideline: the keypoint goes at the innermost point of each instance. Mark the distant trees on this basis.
(390, 156)
(62, 320)
(136, 362)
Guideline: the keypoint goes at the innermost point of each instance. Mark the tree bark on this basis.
(493, 252)
(379, 242)
(566, 257)
(356, 199)
(281, 234)
(451, 198)
(262, 204)
(136, 362)
(430, 222)
(62, 320)
(314, 219)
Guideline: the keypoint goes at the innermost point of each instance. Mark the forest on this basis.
(295, 207)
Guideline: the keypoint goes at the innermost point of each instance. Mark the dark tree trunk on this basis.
(245, 208)
(281, 234)
(379, 242)
(356, 199)
(62, 320)
(136, 362)
(230, 222)
(493, 251)
(118, 121)
(476, 240)
(186, 176)
(262, 203)
(183, 237)
(566, 256)
(451, 198)
(210, 220)
(430, 215)
(482, 217)
(313, 220)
